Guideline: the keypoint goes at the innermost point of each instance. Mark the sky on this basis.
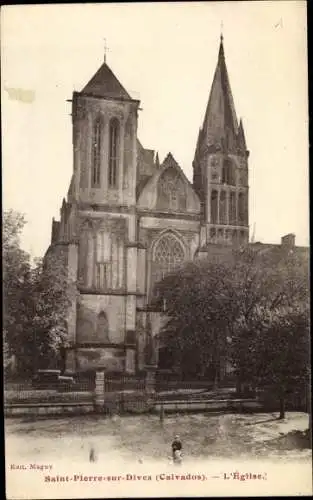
(165, 55)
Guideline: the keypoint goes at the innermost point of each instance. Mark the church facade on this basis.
(129, 219)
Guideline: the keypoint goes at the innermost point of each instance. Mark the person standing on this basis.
(177, 449)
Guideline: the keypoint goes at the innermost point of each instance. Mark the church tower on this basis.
(220, 166)
(100, 217)
(104, 140)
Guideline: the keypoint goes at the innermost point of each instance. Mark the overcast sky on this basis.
(164, 54)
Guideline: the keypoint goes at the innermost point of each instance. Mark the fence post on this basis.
(99, 391)
(162, 413)
(150, 379)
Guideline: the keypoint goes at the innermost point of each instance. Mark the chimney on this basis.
(288, 241)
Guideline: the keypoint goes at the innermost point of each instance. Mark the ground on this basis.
(220, 452)
(144, 437)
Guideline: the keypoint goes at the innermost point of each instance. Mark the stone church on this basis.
(129, 219)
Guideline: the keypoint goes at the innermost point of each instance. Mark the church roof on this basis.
(169, 161)
(105, 84)
(147, 188)
(146, 166)
(220, 114)
(141, 184)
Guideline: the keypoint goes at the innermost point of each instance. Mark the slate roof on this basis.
(105, 84)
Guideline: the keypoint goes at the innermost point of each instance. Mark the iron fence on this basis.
(46, 392)
(124, 383)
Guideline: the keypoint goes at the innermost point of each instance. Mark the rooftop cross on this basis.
(222, 26)
(106, 49)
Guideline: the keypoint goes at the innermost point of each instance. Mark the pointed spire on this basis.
(241, 136)
(220, 122)
(196, 164)
(198, 145)
(157, 161)
(221, 54)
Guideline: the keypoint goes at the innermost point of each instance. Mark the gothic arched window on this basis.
(222, 207)
(96, 153)
(232, 174)
(224, 174)
(241, 208)
(103, 327)
(214, 207)
(228, 172)
(168, 254)
(232, 208)
(114, 131)
(103, 260)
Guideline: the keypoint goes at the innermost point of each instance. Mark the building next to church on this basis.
(129, 219)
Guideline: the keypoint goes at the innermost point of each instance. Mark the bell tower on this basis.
(104, 118)
(220, 166)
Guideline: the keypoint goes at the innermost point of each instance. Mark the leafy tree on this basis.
(210, 303)
(37, 300)
(280, 350)
(16, 288)
(6, 353)
(53, 295)
(195, 299)
(274, 281)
